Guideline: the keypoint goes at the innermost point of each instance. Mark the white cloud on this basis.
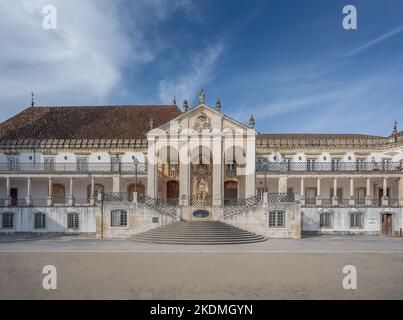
(199, 71)
(81, 62)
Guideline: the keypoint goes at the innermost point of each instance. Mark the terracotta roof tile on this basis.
(99, 122)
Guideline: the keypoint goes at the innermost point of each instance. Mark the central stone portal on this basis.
(201, 185)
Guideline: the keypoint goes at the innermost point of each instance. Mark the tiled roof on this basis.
(274, 136)
(100, 122)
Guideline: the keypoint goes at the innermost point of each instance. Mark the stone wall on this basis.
(255, 219)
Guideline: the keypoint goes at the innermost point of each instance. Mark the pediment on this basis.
(201, 118)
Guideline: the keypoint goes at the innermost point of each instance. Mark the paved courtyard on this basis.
(310, 268)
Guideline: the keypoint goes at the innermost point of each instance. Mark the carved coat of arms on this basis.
(201, 122)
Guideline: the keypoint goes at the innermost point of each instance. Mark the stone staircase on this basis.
(198, 232)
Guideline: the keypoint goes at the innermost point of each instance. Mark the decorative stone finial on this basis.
(185, 105)
(202, 96)
(395, 123)
(151, 123)
(32, 100)
(174, 101)
(251, 122)
(218, 104)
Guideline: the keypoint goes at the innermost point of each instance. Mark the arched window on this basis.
(39, 220)
(72, 221)
(7, 220)
(118, 218)
(277, 219)
(59, 193)
(326, 219)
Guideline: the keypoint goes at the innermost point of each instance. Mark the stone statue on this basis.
(202, 96)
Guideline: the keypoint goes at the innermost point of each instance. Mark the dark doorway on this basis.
(230, 191)
(387, 224)
(381, 195)
(14, 196)
(173, 189)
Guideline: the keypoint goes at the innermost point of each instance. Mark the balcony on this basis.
(349, 203)
(329, 167)
(73, 168)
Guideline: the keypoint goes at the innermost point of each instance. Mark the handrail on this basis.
(73, 167)
(328, 167)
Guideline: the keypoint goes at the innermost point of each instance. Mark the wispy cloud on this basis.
(200, 70)
(375, 41)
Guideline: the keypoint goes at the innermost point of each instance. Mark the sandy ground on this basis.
(90, 269)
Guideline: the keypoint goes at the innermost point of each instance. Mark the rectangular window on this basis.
(13, 162)
(326, 220)
(49, 163)
(386, 164)
(72, 221)
(336, 164)
(118, 218)
(310, 164)
(82, 164)
(276, 219)
(40, 220)
(360, 164)
(7, 220)
(356, 220)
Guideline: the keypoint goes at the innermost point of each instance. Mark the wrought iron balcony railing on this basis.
(328, 167)
(74, 168)
(280, 197)
(347, 203)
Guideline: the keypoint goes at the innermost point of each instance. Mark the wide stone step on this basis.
(203, 232)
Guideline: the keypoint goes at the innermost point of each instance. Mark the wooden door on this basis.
(387, 224)
(173, 189)
(230, 191)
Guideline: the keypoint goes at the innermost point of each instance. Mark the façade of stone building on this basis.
(115, 171)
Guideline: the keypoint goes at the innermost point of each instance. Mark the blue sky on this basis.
(288, 62)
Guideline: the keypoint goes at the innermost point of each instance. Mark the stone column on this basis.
(335, 199)
(368, 196)
(28, 198)
(151, 168)
(115, 184)
(385, 200)
(217, 181)
(282, 184)
(318, 193)
(400, 192)
(184, 171)
(71, 198)
(302, 191)
(351, 200)
(50, 196)
(250, 183)
(8, 200)
(92, 195)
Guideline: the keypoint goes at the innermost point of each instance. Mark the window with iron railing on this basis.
(326, 220)
(276, 219)
(7, 220)
(356, 220)
(118, 218)
(82, 164)
(72, 221)
(39, 220)
(310, 164)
